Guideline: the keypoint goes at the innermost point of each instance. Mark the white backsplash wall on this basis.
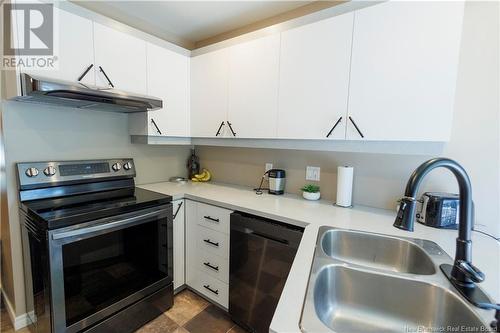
(379, 179)
(41, 133)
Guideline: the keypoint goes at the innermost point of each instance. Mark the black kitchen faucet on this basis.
(462, 274)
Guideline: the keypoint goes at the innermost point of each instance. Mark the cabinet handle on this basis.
(216, 292)
(211, 243)
(220, 127)
(106, 76)
(215, 268)
(85, 72)
(211, 218)
(356, 126)
(156, 126)
(336, 124)
(231, 128)
(177, 210)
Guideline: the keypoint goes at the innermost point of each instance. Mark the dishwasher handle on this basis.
(275, 239)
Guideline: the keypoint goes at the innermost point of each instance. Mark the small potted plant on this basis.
(311, 192)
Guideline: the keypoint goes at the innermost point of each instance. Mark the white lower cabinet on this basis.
(207, 253)
(213, 265)
(214, 218)
(178, 241)
(210, 241)
(212, 288)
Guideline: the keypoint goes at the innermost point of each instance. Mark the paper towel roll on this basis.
(344, 186)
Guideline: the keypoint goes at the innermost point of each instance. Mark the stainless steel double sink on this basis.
(365, 282)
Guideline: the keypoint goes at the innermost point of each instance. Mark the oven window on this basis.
(104, 269)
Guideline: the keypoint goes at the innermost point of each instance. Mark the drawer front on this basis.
(213, 242)
(213, 265)
(213, 288)
(214, 218)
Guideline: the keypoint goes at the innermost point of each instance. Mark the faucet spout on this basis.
(463, 272)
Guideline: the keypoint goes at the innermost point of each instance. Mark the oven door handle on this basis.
(105, 226)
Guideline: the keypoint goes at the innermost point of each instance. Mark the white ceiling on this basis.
(190, 21)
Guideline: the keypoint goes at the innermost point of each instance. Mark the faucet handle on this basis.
(471, 271)
(495, 324)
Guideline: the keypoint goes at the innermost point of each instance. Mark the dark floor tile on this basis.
(186, 306)
(162, 324)
(210, 320)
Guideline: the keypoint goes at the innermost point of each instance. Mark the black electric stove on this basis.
(97, 249)
(65, 211)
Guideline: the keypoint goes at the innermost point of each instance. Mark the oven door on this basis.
(100, 267)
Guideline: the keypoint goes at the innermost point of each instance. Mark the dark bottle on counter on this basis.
(193, 164)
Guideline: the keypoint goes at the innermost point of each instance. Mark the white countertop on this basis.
(313, 214)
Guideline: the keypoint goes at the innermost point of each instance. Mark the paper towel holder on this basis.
(344, 186)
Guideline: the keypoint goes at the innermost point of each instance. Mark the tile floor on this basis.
(190, 314)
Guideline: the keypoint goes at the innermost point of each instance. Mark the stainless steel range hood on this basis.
(78, 95)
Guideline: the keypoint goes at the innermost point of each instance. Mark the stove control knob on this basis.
(49, 171)
(127, 166)
(31, 172)
(116, 167)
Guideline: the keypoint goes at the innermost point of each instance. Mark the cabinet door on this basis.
(73, 47)
(209, 81)
(314, 79)
(123, 59)
(178, 243)
(191, 220)
(253, 87)
(404, 68)
(168, 79)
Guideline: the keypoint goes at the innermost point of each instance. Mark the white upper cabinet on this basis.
(168, 79)
(73, 47)
(314, 79)
(403, 71)
(386, 72)
(209, 91)
(253, 87)
(122, 58)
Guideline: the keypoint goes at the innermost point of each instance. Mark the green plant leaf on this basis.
(310, 188)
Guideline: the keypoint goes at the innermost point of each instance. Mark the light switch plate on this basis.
(312, 173)
(269, 166)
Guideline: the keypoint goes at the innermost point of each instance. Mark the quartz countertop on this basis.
(311, 215)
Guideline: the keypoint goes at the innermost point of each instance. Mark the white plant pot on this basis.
(311, 196)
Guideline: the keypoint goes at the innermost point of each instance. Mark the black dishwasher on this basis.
(261, 255)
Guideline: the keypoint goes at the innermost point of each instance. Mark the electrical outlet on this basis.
(269, 166)
(312, 173)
